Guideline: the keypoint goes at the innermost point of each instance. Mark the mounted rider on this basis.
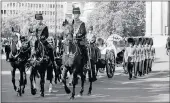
(41, 32)
(80, 33)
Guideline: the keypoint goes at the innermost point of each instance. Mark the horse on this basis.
(58, 57)
(168, 46)
(72, 61)
(18, 60)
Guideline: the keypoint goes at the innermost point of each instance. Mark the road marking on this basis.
(92, 96)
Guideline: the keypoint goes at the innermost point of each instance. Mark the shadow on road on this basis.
(161, 61)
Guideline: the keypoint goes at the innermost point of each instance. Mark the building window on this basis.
(22, 4)
(51, 13)
(36, 5)
(31, 5)
(4, 11)
(10, 4)
(28, 4)
(45, 12)
(10, 11)
(61, 6)
(42, 5)
(7, 5)
(1, 11)
(42, 12)
(51, 6)
(13, 4)
(58, 6)
(13, 11)
(39, 5)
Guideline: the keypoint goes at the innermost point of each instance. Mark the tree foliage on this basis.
(125, 18)
(20, 22)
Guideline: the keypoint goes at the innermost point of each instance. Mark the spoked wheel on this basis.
(101, 70)
(110, 64)
(110, 69)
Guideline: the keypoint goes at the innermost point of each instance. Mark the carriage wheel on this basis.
(101, 70)
(110, 69)
(110, 66)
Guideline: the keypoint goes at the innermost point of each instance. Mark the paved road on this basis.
(153, 87)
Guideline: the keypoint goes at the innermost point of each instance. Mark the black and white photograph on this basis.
(84, 51)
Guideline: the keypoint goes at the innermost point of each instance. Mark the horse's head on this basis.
(100, 42)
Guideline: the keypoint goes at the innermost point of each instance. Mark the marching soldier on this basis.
(146, 56)
(129, 56)
(152, 53)
(142, 55)
(136, 58)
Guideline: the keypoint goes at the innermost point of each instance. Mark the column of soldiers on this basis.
(139, 56)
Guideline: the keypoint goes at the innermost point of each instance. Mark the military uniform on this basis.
(146, 57)
(137, 58)
(129, 57)
(80, 34)
(142, 57)
(42, 34)
(151, 55)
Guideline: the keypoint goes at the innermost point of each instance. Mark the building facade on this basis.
(53, 13)
(157, 18)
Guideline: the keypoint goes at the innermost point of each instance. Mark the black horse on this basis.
(18, 60)
(41, 63)
(73, 62)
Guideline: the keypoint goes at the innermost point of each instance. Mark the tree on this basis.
(22, 21)
(125, 18)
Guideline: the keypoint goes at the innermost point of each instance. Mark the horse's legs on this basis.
(13, 78)
(90, 80)
(24, 80)
(21, 81)
(75, 80)
(32, 79)
(64, 73)
(51, 78)
(42, 82)
(97, 69)
(82, 83)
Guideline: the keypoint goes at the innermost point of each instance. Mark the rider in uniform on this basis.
(42, 33)
(80, 33)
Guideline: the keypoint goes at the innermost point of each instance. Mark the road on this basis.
(150, 88)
